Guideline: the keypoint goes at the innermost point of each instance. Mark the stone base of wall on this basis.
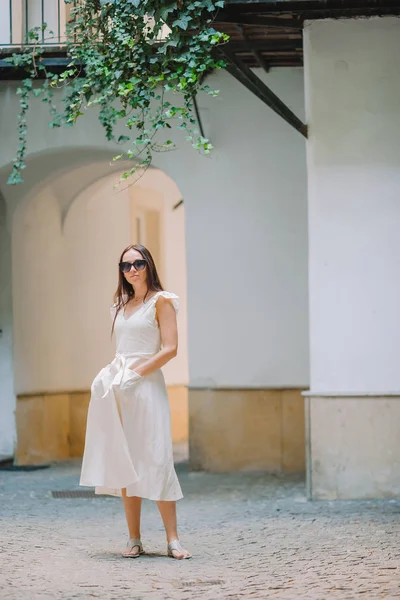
(178, 402)
(238, 430)
(353, 447)
(52, 427)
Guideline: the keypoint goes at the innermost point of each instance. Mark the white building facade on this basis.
(284, 253)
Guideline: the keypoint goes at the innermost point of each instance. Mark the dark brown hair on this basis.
(125, 291)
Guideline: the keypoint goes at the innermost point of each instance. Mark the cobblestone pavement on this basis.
(252, 536)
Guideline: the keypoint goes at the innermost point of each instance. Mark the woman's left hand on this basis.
(137, 370)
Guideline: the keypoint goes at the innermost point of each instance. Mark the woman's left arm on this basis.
(166, 317)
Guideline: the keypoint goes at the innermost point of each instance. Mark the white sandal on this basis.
(175, 546)
(130, 545)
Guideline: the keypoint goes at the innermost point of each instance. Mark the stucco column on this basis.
(352, 84)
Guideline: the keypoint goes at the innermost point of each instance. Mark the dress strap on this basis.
(169, 296)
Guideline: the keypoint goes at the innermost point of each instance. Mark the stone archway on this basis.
(69, 227)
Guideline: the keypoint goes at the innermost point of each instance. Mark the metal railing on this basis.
(18, 17)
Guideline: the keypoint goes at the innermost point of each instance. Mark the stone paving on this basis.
(252, 536)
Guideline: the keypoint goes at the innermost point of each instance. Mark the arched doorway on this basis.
(68, 232)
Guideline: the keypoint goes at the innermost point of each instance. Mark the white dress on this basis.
(128, 434)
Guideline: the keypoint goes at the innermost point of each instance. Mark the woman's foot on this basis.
(176, 550)
(133, 548)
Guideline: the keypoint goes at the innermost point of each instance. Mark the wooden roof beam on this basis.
(267, 44)
(261, 20)
(253, 83)
(257, 55)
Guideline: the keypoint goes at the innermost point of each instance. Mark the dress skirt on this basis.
(128, 436)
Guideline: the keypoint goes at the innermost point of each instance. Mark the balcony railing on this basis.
(17, 17)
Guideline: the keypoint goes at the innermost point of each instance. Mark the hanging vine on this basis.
(130, 59)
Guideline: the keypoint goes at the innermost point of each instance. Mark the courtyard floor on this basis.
(252, 536)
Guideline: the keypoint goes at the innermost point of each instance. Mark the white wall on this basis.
(40, 352)
(246, 232)
(352, 90)
(7, 397)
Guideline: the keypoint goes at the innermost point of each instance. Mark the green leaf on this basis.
(209, 5)
(166, 10)
(182, 22)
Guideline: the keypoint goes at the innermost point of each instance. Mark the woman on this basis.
(128, 448)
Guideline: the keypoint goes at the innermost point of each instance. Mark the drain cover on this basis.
(9, 466)
(200, 582)
(75, 494)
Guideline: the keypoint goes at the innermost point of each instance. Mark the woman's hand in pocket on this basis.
(137, 369)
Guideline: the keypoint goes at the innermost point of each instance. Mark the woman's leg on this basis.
(132, 506)
(167, 510)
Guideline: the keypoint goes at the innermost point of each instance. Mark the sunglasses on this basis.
(139, 265)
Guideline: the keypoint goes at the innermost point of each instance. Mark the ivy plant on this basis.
(139, 62)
